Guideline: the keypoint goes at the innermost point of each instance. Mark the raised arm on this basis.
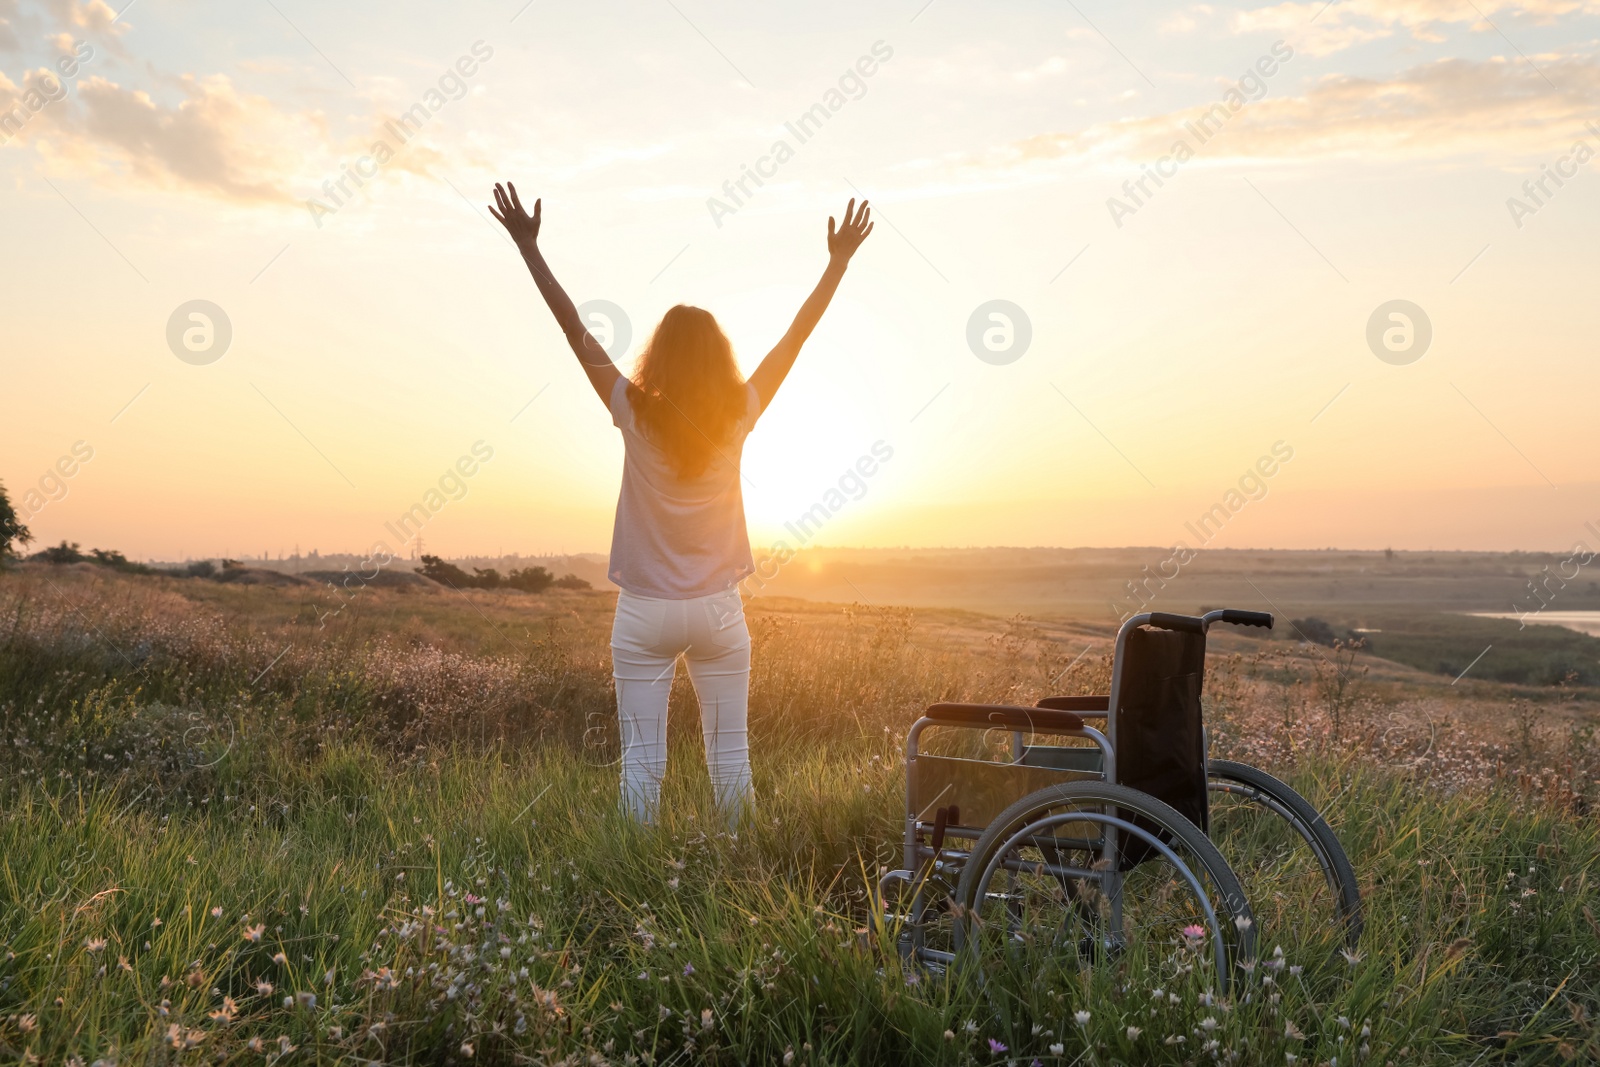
(841, 246)
(524, 230)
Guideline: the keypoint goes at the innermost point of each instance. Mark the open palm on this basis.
(523, 228)
(843, 242)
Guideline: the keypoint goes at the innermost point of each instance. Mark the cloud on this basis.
(1185, 21)
(215, 140)
(1453, 108)
(1321, 28)
(9, 41)
(76, 19)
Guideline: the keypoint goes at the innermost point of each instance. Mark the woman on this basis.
(680, 548)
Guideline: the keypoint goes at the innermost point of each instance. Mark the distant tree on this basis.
(531, 579)
(65, 552)
(1388, 554)
(571, 581)
(446, 573)
(110, 557)
(487, 579)
(12, 532)
(201, 568)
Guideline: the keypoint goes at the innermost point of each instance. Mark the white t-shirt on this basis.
(677, 538)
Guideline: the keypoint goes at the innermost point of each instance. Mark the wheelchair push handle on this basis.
(1189, 624)
(1241, 618)
(1198, 624)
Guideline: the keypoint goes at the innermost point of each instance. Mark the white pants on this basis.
(646, 640)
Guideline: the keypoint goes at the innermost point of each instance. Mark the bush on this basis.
(1314, 630)
(531, 579)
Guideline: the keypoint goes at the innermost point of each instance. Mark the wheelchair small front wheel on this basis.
(1045, 893)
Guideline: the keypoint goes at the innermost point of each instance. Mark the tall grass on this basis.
(409, 851)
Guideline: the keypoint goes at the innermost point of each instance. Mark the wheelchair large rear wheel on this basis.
(1041, 898)
(1298, 878)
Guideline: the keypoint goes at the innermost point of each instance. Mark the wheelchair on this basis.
(1115, 846)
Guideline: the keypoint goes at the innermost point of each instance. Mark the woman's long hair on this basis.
(688, 393)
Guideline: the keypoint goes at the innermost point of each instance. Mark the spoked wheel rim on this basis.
(1091, 920)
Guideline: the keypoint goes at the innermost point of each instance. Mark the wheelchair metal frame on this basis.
(1032, 767)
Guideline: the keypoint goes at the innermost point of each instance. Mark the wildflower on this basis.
(688, 969)
(1352, 958)
(256, 1045)
(264, 987)
(970, 1027)
(672, 883)
(466, 1049)
(949, 1035)
(1194, 931)
(1292, 1032)
(1243, 922)
(253, 933)
(308, 1001)
(1295, 970)
(95, 944)
(225, 1013)
(1133, 1035)
(1057, 1048)
(995, 1047)
(1081, 1017)
(1208, 1024)
(279, 958)
(216, 912)
(788, 1056)
(706, 1019)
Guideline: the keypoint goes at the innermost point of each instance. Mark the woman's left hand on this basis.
(857, 224)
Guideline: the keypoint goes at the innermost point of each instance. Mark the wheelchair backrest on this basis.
(1159, 737)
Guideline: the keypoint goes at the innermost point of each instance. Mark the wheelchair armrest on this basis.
(1044, 720)
(1094, 705)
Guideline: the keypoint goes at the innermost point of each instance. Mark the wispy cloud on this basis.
(1456, 108)
(1320, 28)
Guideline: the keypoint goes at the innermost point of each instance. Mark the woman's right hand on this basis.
(523, 228)
(857, 224)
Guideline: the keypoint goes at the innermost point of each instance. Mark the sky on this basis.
(1327, 267)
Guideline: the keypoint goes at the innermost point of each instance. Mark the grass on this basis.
(231, 834)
